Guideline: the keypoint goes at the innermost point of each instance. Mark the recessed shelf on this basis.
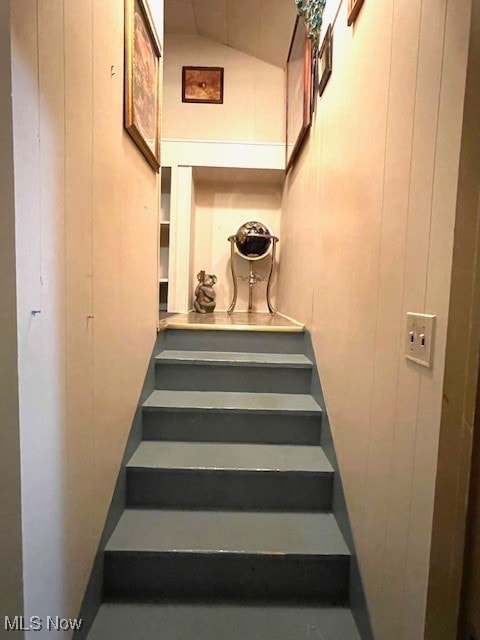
(166, 180)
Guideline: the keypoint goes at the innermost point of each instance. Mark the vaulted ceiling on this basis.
(261, 28)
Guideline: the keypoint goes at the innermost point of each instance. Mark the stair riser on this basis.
(244, 341)
(234, 426)
(192, 377)
(235, 490)
(224, 576)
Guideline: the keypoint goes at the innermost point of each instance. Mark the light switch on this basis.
(419, 338)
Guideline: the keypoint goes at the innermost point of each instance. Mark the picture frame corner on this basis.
(149, 147)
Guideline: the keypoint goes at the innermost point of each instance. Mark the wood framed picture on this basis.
(354, 7)
(202, 84)
(299, 94)
(142, 80)
(325, 58)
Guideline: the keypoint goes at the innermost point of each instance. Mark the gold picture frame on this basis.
(298, 75)
(142, 80)
(354, 7)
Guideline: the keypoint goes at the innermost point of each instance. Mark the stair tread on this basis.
(207, 621)
(155, 530)
(233, 401)
(194, 455)
(234, 358)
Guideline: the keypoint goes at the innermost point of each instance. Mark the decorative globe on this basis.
(253, 240)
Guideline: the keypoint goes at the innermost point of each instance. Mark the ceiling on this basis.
(261, 28)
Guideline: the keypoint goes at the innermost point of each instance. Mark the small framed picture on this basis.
(325, 57)
(202, 84)
(142, 80)
(299, 93)
(314, 81)
(354, 7)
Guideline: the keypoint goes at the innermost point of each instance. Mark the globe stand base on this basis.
(252, 278)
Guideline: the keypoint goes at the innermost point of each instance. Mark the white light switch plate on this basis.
(419, 338)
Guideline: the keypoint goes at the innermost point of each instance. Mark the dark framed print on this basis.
(325, 60)
(142, 80)
(202, 84)
(354, 7)
(299, 94)
(314, 81)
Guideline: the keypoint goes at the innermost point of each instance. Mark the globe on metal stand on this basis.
(253, 241)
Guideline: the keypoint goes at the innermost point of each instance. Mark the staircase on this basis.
(227, 533)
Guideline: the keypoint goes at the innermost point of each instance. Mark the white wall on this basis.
(254, 95)
(87, 213)
(11, 596)
(221, 208)
(370, 212)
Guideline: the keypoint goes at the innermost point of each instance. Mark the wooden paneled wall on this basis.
(87, 216)
(11, 597)
(369, 209)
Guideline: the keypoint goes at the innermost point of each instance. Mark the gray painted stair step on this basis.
(227, 555)
(233, 371)
(223, 531)
(200, 621)
(217, 416)
(232, 417)
(251, 341)
(231, 401)
(246, 457)
(229, 476)
(234, 358)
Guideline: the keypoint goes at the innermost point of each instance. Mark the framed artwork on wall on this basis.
(298, 74)
(202, 84)
(354, 7)
(142, 80)
(325, 58)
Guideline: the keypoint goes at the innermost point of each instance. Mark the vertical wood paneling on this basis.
(51, 69)
(221, 208)
(384, 135)
(10, 491)
(425, 124)
(87, 204)
(107, 204)
(379, 502)
(79, 289)
(444, 195)
(40, 442)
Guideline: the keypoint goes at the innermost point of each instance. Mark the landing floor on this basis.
(238, 321)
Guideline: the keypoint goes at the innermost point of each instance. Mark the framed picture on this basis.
(202, 84)
(142, 80)
(314, 81)
(299, 94)
(325, 60)
(354, 7)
